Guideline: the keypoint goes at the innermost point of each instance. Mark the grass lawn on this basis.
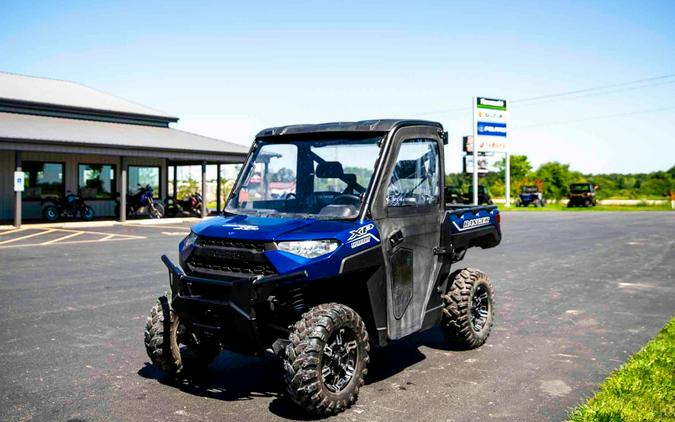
(643, 389)
(563, 207)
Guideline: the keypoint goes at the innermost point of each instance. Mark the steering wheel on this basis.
(287, 197)
(347, 199)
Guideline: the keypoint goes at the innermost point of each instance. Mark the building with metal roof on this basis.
(64, 136)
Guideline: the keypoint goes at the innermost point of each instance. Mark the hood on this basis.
(269, 228)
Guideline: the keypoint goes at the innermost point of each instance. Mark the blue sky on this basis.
(230, 69)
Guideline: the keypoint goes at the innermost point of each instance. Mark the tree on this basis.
(284, 174)
(556, 178)
(520, 169)
(658, 183)
(187, 187)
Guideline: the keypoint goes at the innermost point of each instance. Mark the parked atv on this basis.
(483, 195)
(191, 205)
(582, 195)
(453, 195)
(530, 195)
(70, 206)
(356, 254)
(142, 202)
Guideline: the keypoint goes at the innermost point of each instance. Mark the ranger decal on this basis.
(470, 224)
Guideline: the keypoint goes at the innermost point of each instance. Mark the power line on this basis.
(595, 94)
(580, 93)
(599, 88)
(606, 116)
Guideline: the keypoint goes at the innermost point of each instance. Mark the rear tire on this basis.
(326, 360)
(50, 213)
(183, 355)
(469, 309)
(171, 210)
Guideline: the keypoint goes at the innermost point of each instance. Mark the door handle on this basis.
(395, 239)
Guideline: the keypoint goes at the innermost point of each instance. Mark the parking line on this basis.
(129, 236)
(13, 231)
(4, 242)
(106, 238)
(68, 236)
(158, 226)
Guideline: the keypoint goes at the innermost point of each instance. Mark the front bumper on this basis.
(225, 309)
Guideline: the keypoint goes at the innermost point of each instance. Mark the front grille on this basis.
(229, 258)
(231, 243)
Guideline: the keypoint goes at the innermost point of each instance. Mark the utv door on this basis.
(408, 210)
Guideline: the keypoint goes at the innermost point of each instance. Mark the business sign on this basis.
(467, 144)
(487, 162)
(491, 119)
(18, 181)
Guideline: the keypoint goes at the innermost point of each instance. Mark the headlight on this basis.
(309, 248)
(189, 240)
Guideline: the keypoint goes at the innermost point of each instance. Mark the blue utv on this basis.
(530, 195)
(336, 238)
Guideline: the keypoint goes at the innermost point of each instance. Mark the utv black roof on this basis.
(382, 125)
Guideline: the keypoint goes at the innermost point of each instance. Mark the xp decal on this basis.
(362, 236)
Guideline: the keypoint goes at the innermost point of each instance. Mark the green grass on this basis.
(643, 389)
(563, 207)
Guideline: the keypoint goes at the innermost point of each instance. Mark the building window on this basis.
(143, 176)
(96, 181)
(42, 180)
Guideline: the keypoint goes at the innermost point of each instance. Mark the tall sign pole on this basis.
(507, 183)
(475, 156)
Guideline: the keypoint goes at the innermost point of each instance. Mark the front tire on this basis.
(326, 360)
(175, 350)
(156, 210)
(87, 213)
(469, 309)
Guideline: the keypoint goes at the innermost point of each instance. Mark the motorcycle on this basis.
(142, 200)
(191, 204)
(70, 206)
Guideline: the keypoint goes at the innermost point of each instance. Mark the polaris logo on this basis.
(241, 227)
(491, 129)
(476, 222)
(362, 236)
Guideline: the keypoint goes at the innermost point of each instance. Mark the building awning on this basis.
(52, 134)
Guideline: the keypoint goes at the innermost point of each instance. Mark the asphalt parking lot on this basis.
(577, 294)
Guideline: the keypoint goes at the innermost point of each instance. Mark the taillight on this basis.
(499, 218)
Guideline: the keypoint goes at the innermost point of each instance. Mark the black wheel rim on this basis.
(480, 308)
(340, 355)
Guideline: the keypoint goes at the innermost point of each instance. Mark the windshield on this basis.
(579, 188)
(530, 189)
(322, 178)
